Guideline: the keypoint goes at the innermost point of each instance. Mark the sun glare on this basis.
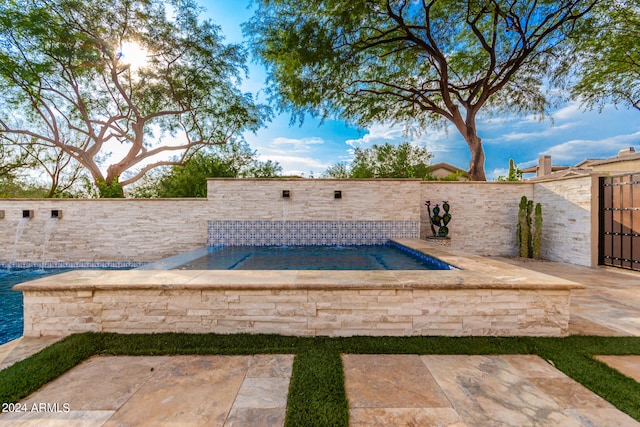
(133, 55)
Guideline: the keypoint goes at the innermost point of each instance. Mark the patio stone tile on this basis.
(628, 365)
(390, 381)
(56, 419)
(110, 380)
(262, 393)
(570, 394)
(486, 390)
(532, 366)
(262, 417)
(384, 417)
(271, 366)
(609, 417)
(187, 390)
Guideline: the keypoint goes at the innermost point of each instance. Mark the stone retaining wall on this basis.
(331, 312)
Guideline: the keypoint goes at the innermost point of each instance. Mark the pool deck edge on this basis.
(476, 273)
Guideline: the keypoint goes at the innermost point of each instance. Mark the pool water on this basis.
(377, 257)
(11, 316)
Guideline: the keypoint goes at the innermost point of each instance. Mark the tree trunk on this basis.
(467, 128)
(476, 165)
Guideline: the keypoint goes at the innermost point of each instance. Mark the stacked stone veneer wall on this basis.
(313, 199)
(569, 222)
(110, 232)
(134, 230)
(254, 212)
(484, 214)
(331, 312)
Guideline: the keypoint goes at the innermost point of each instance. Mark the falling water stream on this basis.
(48, 230)
(19, 231)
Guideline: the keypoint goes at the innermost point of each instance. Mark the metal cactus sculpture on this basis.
(439, 221)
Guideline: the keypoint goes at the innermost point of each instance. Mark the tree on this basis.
(147, 75)
(12, 161)
(603, 63)
(190, 180)
(340, 170)
(405, 61)
(385, 161)
(514, 173)
(62, 171)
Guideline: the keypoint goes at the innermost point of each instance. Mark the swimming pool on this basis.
(373, 257)
(11, 315)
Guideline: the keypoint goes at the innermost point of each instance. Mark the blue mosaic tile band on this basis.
(319, 233)
(439, 264)
(61, 264)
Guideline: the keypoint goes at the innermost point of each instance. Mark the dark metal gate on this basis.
(619, 242)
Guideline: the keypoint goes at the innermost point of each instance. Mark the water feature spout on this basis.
(1, 214)
(27, 214)
(56, 214)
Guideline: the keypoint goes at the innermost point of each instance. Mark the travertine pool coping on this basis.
(485, 297)
(475, 272)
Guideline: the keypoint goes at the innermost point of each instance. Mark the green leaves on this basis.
(67, 74)
(231, 160)
(418, 62)
(605, 56)
(385, 161)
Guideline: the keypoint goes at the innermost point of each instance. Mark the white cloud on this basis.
(296, 165)
(495, 173)
(571, 111)
(579, 149)
(379, 134)
(299, 145)
(518, 136)
(436, 140)
(293, 154)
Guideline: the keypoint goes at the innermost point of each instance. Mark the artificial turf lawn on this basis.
(316, 392)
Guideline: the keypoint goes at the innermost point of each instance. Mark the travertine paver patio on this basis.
(163, 390)
(451, 390)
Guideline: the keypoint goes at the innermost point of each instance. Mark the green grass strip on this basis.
(25, 377)
(316, 392)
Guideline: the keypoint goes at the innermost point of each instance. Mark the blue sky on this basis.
(569, 134)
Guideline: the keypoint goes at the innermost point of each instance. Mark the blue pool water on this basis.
(11, 317)
(377, 257)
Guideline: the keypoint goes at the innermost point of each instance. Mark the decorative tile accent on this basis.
(64, 264)
(323, 233)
